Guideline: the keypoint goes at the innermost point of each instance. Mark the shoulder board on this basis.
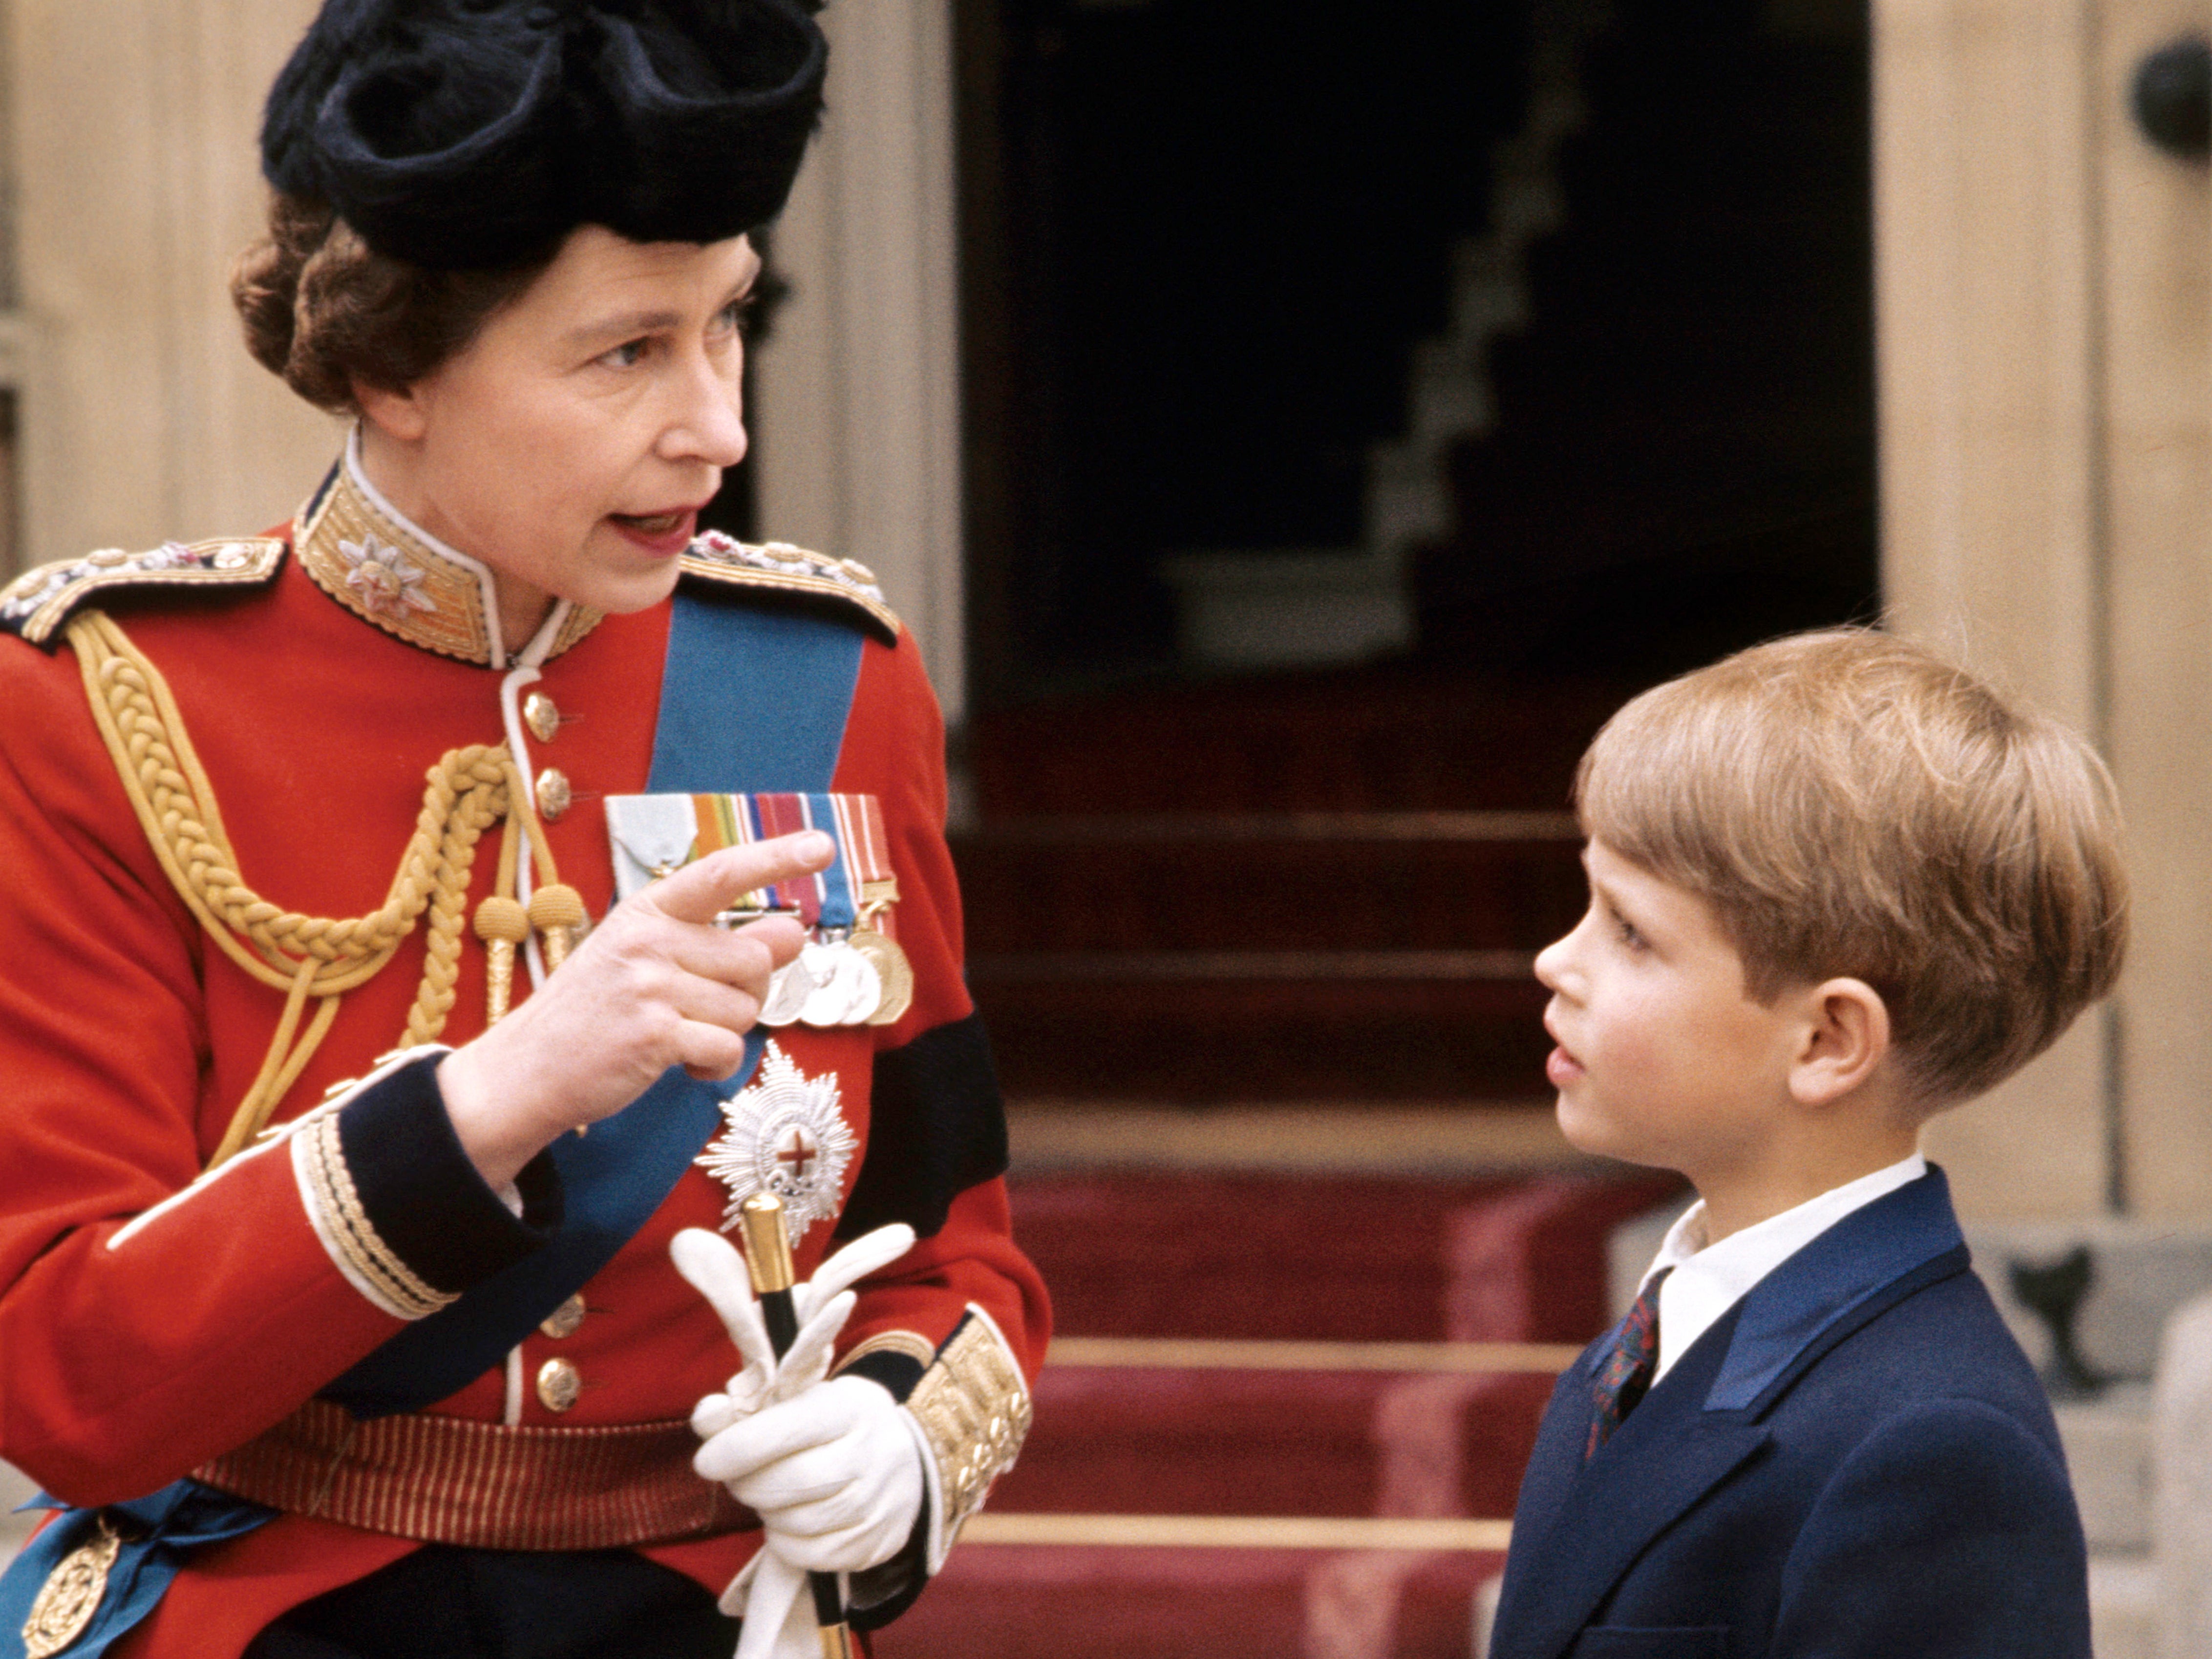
(35, 604)
(724, 562)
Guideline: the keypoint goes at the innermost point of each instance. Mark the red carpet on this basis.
(1355, 1260)
(1008, 1603)
(1278, 1259)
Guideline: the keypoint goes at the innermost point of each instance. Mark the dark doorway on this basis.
(1206, 239)
(1585, 282)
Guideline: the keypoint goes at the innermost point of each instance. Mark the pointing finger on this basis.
(704, 888)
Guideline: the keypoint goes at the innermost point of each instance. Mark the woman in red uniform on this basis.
(352, 1120)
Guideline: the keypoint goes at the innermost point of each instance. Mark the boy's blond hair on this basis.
(1851, 804)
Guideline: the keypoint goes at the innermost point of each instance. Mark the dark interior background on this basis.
(1202, 237)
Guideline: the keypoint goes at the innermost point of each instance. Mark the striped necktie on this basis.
(1626, 1373)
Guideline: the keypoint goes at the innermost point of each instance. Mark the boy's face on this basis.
(1663, 1059)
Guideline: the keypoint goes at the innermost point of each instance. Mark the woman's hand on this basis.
(656, 985)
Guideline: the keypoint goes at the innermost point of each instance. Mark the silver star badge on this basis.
(787, 1137)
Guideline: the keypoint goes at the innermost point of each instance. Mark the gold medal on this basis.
(71, 1595)
(895, 971)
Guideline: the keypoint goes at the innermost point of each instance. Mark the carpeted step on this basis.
(1381, 739)
(1141, 1441)
(1308, 887)
(1352, 1260)
(1296, 1458)
(1233, 1027)
(1321, 1140)
(1013, 1602)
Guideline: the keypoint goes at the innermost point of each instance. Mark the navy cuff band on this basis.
(424, 1196)
(894, 1373)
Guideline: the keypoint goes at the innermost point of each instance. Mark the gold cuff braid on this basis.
(913, 1344)
(974, 1407)
(348, 1231)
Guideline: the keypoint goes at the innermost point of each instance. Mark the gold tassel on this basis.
(556, 911)
(502, 924)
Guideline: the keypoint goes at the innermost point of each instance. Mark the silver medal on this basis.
(841, 988)
(867, 991)
(788, 988)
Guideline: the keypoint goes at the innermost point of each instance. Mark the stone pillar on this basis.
(2155, 222)
(142, 417)
(2046, 466)
(859, 388)
(2181, 1477)
(1983, 263)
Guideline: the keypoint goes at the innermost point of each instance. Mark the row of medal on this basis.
(851, 972)
(843, 977)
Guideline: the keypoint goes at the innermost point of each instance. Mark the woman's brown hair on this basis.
(326, 311)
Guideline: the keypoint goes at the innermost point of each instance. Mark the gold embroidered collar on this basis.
(364, 553)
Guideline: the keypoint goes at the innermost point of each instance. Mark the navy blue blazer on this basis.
(1856, 1462)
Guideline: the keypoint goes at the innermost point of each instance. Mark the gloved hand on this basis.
(833, 1469)
(713, 1267)
(834, 1475)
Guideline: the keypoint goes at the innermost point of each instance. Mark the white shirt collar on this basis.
(1708, 1280)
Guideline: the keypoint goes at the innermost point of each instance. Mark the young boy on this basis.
(1835, 887)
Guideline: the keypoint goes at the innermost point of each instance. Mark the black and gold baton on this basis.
(767, 1259)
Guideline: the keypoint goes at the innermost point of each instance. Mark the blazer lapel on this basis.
(1578, 1528)
(1557, 1456)
(1869, 1261)
(1666, 1456)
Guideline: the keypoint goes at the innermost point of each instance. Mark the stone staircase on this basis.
(1282, 608)
(1679, 453)
(1317, 887)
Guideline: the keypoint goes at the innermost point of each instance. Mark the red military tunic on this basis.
(127, 1039)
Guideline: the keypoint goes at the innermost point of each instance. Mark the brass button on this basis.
(563, 1320)
(539, 714)
(559, 1382)
(554, 794)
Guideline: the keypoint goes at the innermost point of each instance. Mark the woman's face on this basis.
(572, 444)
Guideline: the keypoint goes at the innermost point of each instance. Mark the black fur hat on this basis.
(475, 134)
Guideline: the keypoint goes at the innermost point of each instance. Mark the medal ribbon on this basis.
(830, 900)
(860, 832)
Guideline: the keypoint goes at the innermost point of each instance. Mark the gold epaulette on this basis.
(779, 566)
(35, 604)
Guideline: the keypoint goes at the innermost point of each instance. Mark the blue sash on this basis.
(159, 1531)
(752, 700)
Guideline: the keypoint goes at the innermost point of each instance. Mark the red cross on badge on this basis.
(796, 1154)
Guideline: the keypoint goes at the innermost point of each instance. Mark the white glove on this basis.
(771, 1596)
(713, 1267)
(834, 1475)
(834, 1469)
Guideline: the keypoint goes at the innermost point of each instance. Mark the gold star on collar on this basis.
(387, 572)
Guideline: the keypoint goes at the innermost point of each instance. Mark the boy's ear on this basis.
(1846, 1037)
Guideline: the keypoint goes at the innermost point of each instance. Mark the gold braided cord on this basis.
(304, 956)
